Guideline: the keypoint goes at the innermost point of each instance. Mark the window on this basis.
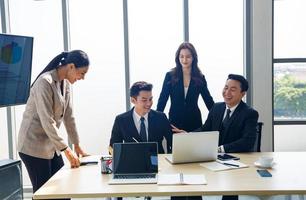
(4, 153)
(41, 20)
(289, 29)
(289, 91)
(216, 30)
(293, 133)
(101, 96)
(289, 60)
(155, 33)
(289, 75)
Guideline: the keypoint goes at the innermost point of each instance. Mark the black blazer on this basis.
(240, 135)
(184, 113)
(124, 129)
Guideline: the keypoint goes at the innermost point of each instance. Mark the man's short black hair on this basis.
(244, 85)
(140, 86)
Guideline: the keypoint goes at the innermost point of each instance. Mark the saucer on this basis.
(257, 164)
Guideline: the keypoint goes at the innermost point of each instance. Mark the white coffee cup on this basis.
(265, 161)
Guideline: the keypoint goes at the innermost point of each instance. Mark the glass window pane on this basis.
(289, 91)
(289, 29)
(4, 152)
(101, 96)
(43, 21)
(216, 30)
(293, 133)
(155, 32)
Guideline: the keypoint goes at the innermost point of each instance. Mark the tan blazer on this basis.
(45, 110)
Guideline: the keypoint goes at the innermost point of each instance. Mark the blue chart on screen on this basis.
(15, 69)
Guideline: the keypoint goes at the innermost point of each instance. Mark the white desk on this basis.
(289, 177)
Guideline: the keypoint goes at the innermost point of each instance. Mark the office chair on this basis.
(257, 144)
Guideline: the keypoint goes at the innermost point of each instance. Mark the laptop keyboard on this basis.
(134, 176)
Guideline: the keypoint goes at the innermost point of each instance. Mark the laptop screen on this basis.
(135, 158)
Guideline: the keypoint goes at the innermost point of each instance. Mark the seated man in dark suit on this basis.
(141, 124)
(234, 119)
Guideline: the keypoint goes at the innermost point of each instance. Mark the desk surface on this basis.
(289, 177)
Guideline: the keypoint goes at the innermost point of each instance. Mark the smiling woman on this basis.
(39, 143)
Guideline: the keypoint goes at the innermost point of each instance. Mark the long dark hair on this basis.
(177, 71)
(78, 57)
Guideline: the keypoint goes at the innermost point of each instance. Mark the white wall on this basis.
(261, 67)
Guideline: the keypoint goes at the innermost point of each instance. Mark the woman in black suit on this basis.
(184, 84)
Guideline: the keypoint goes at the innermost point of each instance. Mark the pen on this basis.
(229, 164)
(135, 139)
(89, 163)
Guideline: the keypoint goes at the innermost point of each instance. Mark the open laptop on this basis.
(194, 147)
(134, 163)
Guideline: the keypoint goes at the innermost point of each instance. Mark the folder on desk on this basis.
(223, 165)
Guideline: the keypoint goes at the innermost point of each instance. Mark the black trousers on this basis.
(227, 197)
(186, 198)
(41, 170)
(230, 197)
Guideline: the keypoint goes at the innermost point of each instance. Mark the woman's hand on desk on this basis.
(79, 151)
(72, 157)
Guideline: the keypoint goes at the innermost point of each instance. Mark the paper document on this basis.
(181, 179)
(223, 165)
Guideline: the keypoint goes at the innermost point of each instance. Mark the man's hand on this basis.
(175, 130)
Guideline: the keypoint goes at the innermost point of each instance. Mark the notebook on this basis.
(134, 163)
(194, 147)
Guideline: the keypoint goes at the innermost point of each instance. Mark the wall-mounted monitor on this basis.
(15, 69)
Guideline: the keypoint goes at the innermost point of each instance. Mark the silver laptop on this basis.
(135, 163)
(194, 147)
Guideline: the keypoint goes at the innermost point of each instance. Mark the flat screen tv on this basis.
(15, 69)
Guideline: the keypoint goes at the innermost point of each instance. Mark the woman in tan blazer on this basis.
(49, 104)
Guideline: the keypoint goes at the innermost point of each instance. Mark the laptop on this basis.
(134, 163)
(194, 147)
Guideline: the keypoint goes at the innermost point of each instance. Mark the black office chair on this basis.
(258, 137)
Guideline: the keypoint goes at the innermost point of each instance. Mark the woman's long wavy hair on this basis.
(177, 71)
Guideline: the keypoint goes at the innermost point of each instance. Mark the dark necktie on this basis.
(142, 133)
(227, 117)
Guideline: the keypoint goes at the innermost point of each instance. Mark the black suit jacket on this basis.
(240, 134)
(184, 112)
(124, 129)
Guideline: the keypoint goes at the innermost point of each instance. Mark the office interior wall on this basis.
(261, 67)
